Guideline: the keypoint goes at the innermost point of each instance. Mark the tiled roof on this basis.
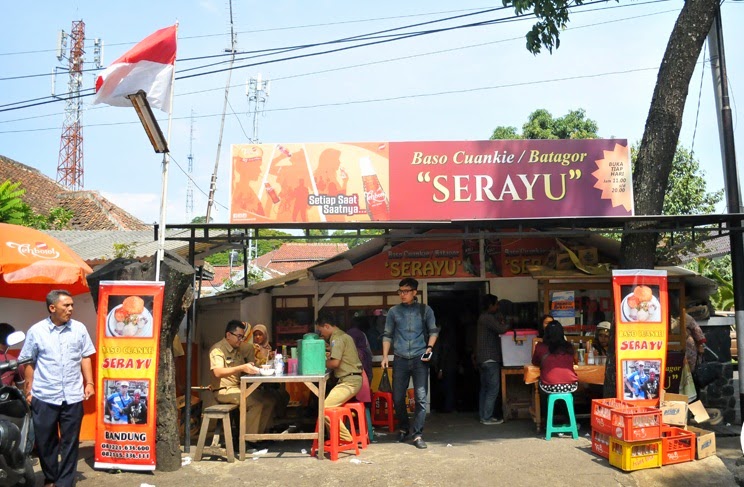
(713, 249)
(295, 252)
(91, 211)
(296, 256)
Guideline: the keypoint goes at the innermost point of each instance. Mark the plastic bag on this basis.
(686, 384)
(385, 382)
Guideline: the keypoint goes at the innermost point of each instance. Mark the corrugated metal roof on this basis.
(97, 246)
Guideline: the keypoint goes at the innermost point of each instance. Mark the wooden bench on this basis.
(218, 412)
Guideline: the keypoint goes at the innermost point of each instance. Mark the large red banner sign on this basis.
(430, 181)
(129, 320)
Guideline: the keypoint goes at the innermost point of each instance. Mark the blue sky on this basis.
(457, 85)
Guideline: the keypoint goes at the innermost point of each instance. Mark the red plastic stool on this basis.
(334, 445)
(383, 412)
(361, 422)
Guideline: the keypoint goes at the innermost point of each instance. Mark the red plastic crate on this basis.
(636, 424)
(601, 409)
(601, 443)
(677, 445)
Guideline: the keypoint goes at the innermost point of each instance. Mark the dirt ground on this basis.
(461, 452)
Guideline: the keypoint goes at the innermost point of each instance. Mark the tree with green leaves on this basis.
(14, 210)
(659, 143)
(541, 125)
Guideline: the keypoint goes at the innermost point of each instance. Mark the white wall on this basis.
(515, 289)
(22, 313)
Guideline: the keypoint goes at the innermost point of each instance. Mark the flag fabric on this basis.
(148, 66)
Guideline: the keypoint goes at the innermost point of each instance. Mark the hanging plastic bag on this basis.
(686, 384)
(385, 382)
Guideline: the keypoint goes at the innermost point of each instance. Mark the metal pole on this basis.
(731, 179)
(213, 183)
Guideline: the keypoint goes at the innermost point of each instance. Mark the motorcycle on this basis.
(16, 428)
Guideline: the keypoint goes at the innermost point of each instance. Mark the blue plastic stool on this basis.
(572, 428)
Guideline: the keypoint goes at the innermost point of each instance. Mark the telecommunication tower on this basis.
(70, 169)
(257, 91)
(189, 184)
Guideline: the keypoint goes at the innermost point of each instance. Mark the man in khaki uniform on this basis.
(343, 359)
(228, 361)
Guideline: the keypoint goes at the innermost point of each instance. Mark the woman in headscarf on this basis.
(261, 345)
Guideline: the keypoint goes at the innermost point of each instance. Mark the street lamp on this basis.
(150, 124)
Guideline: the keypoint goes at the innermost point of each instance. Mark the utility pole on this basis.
(232, 50)
(257, 92)
(731, 183)
(189, 184)
(70, 163)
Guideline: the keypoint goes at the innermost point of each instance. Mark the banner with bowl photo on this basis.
(641, 324)
(129, 320)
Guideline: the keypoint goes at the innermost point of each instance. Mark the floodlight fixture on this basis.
(150, 124)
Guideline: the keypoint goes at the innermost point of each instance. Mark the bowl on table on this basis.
(266, 370)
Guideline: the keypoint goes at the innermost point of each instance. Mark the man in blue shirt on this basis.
(58, 379)
(118, 401)
(411, 329)
(636, 380)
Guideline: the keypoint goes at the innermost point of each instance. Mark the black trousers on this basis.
(57, 431)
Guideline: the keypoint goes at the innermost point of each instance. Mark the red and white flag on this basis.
(148, 66)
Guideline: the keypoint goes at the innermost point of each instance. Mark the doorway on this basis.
(454, 378)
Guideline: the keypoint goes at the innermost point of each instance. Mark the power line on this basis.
(400, 37)
(377, 100)
(192, 180)
(272, 29)
(371, 63)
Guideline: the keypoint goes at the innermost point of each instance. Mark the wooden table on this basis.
(316, 384)
(588, 374)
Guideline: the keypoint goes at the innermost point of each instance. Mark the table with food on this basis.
(249, 383)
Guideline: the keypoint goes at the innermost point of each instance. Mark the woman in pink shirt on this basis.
(555, 357)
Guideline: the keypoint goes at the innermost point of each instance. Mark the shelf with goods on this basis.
(288, 334)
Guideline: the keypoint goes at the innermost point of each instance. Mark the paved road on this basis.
(461, 452)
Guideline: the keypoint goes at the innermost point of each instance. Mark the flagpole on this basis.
(164, 186)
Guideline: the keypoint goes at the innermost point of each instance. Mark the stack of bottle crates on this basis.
(601, 420)
(629, 437)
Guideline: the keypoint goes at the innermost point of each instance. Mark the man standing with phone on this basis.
(411, 329)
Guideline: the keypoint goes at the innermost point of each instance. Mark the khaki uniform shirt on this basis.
(344, 349)
(222, 355)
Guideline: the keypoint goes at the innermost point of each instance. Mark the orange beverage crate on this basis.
(677, 445)
(636, 455)
(601, 417)
(636, 424)
(601, 443)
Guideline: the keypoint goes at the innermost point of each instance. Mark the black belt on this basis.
(355, 373)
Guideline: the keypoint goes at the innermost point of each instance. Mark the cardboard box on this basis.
(706, 442)
(563, 262)
(674, 409)
(588, 256)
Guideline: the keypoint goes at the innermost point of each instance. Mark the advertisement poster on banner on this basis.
(641, 324)
(129, 320)
(429, 181)
(563, 308)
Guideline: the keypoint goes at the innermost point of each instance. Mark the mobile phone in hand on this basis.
(426, 356)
